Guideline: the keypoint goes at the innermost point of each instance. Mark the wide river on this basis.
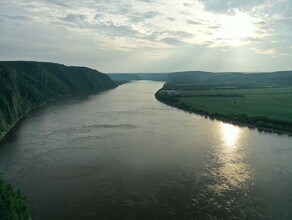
(121, 154)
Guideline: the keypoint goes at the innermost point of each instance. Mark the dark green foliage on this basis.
(27, 85)
(12, 204)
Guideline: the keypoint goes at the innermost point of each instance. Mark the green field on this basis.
(274, 103)
(268, 108)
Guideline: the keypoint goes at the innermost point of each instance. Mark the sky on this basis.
(150, 35)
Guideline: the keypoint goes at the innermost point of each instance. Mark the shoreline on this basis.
(10, 127)
(238, 120)
(28, 85)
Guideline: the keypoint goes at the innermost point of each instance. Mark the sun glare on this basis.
(234, 29)
(230, 134)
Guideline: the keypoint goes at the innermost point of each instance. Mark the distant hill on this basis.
(199, 77)
(123, 77)
(126, 77)
(25, 85)
(189, 77)
(153, 76)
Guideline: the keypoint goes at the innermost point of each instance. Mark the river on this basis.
(121, 154)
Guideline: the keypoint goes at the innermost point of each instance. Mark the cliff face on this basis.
(26, 85)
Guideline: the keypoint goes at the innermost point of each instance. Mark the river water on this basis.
(121, 154)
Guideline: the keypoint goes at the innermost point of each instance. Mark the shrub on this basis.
(12, 204)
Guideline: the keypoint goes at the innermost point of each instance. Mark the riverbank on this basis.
(27, 85)
(12, 126)
(123, 150)
(12, 204)
(232, 107)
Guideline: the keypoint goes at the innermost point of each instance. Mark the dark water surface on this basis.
(123, 155)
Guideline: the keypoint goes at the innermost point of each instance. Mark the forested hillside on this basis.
(27, 85)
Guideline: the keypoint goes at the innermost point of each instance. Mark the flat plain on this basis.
(266, 107)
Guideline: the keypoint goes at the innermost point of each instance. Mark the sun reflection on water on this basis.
(230, 135)
(228, 166)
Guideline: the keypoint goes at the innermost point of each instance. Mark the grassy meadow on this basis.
(269, 107)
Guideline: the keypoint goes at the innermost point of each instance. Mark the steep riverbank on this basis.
(25, 86)
(28, 85)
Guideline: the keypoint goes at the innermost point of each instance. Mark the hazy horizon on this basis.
(157, 72)
(149, 35)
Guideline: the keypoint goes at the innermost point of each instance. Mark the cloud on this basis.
(127, 19)
(146, 26)
(74, 18)
(194, 22)
(270, 51)
(171, 41)
(140, 17)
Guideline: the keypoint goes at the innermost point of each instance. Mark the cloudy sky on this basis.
(150, 35)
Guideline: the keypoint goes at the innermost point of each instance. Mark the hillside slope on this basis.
(121, 78)
(126, 77)
(199, 77)
(25, 85)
